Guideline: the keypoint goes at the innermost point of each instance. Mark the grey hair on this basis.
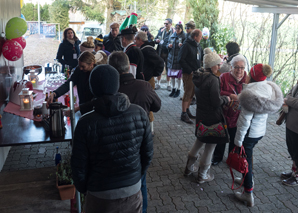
(142, 36)
(238, 58)
(119, 60)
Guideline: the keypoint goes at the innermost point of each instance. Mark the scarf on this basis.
(237, 79)
(72, 41)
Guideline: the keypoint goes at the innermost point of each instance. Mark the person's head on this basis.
(127, 36)
(87, 45)
(196, 35)
(207, 51)
(179, 27)
(86, 61)
(114, 27)
(104, 80)
(168, 23)
(259, 72)
(232, 48)
(145, 29)
(190, 26)
(98, 42)
(119, 60)
(101, 57)
(212, 62)
(140, 38)
(70, 34)
(238, 66)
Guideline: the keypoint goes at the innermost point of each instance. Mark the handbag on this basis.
(238, 162)
(281, 118)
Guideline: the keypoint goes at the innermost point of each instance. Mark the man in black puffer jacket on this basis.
(112, 147)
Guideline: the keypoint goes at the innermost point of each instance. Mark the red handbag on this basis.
(238, 162)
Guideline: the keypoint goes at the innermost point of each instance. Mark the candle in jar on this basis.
(26, 103)
(33, 83)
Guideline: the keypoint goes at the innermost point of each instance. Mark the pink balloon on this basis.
(21, 40)
(12, 50)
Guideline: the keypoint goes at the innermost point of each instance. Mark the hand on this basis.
(67, 112)
(234, 97)
(221, 56)
(170, 45)
(180, 44)
(51, 99)
(157, 40)
(229, 99)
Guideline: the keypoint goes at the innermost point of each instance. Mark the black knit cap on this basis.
(104, 80)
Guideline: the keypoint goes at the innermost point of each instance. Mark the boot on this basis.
(185, 118)
(246, 197)
(204, 175)
(177, 93)
(173, 92)
(189, 113)
(238, 181)
(190, 165)
(292, 181)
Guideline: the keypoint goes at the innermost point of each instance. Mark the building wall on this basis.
(8, 10)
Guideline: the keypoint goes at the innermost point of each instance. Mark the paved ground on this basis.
(169, 190)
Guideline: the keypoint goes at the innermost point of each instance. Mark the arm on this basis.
(79, 158)
(290, 100)
(222, 86)
(243, 124)
(182, 56)
(64, 88)
(146, 150)
(60, 54)
(216, 99)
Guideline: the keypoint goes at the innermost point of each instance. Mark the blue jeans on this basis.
(249, 144)
(144, 193)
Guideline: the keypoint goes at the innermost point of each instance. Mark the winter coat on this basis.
(139, 92)
(66, 51)
(112, 44)
(256, 100)
(190, 56)
(228, 86)
(292, 116)
(153, 63)
(136, 59)
(209, 101)
(162, 48)
(112, 145)
(81, 80)
(173, 62)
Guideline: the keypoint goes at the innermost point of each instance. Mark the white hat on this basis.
(207, 50)
(211, 60)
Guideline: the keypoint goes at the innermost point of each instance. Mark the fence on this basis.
(46, 29)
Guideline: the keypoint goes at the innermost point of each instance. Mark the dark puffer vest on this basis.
(113, 145)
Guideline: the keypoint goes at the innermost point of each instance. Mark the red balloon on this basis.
(12, 50)
(21, 40)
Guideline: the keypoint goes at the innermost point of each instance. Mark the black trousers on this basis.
(292, 144)
(220, 148)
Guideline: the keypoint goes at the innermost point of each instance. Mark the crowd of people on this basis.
(116, 77)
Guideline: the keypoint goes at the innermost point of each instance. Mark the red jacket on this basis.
(228, 86)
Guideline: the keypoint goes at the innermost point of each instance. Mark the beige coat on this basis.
(292, 116)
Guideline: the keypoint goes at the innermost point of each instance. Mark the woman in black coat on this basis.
(69, 50)
(174, 68)
(209, 112)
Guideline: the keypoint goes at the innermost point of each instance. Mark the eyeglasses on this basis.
(187, 28)
(166, 23)
(239, 68)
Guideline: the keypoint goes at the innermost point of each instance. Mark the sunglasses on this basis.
(166, 23)
(187, 28)
(177, 28)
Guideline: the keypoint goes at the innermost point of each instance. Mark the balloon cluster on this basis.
(205, 33)
(14, 44)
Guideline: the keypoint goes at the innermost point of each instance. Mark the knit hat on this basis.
(104, 80)
(211, 60)
(98, 40)
(260, 72)
(207, 51)
(101, 57)
(191, 24)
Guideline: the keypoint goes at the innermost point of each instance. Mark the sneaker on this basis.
(157, 86)
(292, 181)
(177, 93)
(173, 92)
(185, 118)
(285, 175)
(169, 88)
(246, 197)
(189, 113)
(210, 177)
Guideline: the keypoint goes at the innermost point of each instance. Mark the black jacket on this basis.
(172, 61)
(162, 48)
(136, 58)
(153, 63)
(209, 101)
(139, 92)
(190, 56)
(66, 51)
(81, 80)
(112, 145)
(112, 44)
